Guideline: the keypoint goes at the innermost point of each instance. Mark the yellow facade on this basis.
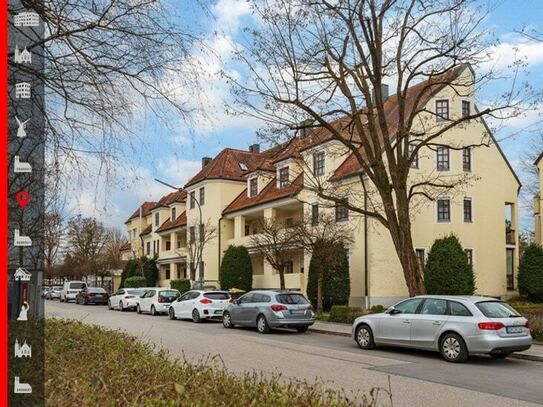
(538, 204)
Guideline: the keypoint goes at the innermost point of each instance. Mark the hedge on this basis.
(135, 282)
(180, 285)
(345, 314)
(236, 269)
(530, 273)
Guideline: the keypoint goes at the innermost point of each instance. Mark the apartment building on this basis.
(538, 203)
(236, 189)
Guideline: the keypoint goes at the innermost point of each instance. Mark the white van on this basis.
(71, 289)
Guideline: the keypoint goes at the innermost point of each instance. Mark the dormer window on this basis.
(172, 215)
(243, 167)
(157, 219)
(284, 177)
(253, 187)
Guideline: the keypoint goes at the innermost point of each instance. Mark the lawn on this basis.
(90, 366)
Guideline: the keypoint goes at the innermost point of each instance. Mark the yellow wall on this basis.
(538, 206)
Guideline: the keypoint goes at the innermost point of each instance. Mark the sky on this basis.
(173, 153)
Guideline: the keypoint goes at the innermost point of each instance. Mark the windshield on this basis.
(217, 296)
(77, 285)
(168, 295)
(135, 292)
(496, 309)
(291, 299)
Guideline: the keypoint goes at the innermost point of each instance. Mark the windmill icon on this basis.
(21, 129)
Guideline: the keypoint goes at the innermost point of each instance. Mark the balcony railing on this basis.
(510, 236)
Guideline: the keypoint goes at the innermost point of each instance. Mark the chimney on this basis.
(305, 127)
(254, 148)
(384, 93)
(205, 161)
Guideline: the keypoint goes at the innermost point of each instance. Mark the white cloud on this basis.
(515, 49)
(229, 13)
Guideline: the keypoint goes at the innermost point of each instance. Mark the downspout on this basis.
(219, 245)
(366, 271)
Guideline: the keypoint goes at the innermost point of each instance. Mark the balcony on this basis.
(510, 237)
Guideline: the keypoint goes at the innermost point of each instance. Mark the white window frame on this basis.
(450, 210)
(279, 176)
(470, 198)
(439, 119)
(449, 160)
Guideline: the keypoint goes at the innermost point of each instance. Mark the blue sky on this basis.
(177, 156)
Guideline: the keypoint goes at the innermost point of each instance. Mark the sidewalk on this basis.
(535, 353)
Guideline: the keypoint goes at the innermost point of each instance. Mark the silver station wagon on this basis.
(270, 309)
(455, 326)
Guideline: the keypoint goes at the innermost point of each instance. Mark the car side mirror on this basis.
(392, 311)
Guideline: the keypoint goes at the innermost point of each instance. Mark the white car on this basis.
(71, 289)
(125, 298)
(199, 305)
(156, 300)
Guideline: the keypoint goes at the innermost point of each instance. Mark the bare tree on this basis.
(276, 240)
(199, 236)
(52, 241)
(112, 250)
(324, 64)
(324, 234)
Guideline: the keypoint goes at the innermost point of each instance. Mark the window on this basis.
(434, 306)
(443, 159)
(443, 210)
(192, 234)
(167, 274)
(466, 159)
(289, 267)
(318, 163)
(469, 255)
(458, 310)
(510, 259)
(442, 110)
(247, 230)
(415, 162)
(172, 215)
(466, 108)
(201, 232)
(202, 196)
(342, 213)
(408, 306)
(157, 246)
(157, 219)
(192, 199)
(468, 216)
(154, 246)
(148, 248)
(496, 309)
(421, 258)
(289, 222)
(315, 214)
(283, 177)
(253, 187)
(168, 245)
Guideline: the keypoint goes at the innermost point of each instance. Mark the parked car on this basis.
(156, 300)
(455, 326)
(44, 291)
(199, 305)
(92, 295)
(71, 289)
(53, 292)
(206, 285)
(266, 310)
(125, 298)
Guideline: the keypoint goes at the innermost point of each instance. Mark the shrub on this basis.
(135, 282)
(180, 285)
(447, 271)
(130, 270)
(236, 269)
(150, 271)
(344, 314)
(530, 273)
(377, 309)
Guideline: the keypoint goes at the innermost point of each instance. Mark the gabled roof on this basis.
(167, 200)
(147, 230)
(268, 194)
(181, 220)
(146, 210)
(125, 247)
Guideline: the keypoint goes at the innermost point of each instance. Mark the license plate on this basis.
(297, 311)
(218, 311)
(515, 329)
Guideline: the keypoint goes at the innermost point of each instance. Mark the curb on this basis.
(522, 356)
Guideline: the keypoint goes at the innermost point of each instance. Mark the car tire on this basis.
(171, 313)
(364, 337)
(500, 355)
(302, 329)
(121, 306)
(227, 320)
(153, 311)
(453, 348)
(262, 325)
(61, 300)
(138, 309)
(196, 316)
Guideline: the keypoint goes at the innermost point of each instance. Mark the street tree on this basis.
(198, 237)
(53, 232)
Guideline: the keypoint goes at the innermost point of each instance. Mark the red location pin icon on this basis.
(22, 198)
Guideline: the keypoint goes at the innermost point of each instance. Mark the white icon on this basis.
(22, 56)
(21, 166)
(26, 19)
(22, 275)
(22, 351)
(22, 90)
(21, 130)
(19, 240)
(21, 387)
(23, 314)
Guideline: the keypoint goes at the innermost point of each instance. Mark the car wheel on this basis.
(121, 306)
(61, 300)
(227, 320)
(364, 337)
(500, 355)
(262, 325)
(302, 329)
(153, 311)
(453, 348)
(196, 316)
(138, 309)
(171, 313)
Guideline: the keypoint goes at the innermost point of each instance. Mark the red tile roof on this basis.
(177, 196)
(268, 194)
(125, 247)
(146, 210)
(147, 230)
(181, 220)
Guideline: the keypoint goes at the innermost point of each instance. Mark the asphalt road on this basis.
(417, 378)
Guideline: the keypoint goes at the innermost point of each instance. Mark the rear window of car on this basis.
(135, 292)
(168, 295)
(496, 309)
(96, 290)
(217, 296)
(77, 285)
(291, 299)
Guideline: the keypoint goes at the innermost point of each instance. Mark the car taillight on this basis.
(490, 326)
(310, 307)
(90, 294)
(160, 299)
(205, 301)
(278, 307)
(527, 324)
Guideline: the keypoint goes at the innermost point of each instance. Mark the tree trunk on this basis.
(319, 289)
(282, 278)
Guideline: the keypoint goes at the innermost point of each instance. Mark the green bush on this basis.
(530, 273)
(135, 282)
(236, 269)
(344, 314)
(150, 271)
(377, 309)
(447, 271)
(180, 285)
(336, 286)
(130, 270)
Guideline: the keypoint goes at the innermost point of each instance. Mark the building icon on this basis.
(22, 56)
(22, 351)
(21, 388)
(22, 275)
(26, 19)
(22, 90)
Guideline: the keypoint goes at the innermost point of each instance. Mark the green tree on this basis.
(150, 271)
(447, 271)
(130, 270)
(182, 285)
(530, 273)
(236, 269)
